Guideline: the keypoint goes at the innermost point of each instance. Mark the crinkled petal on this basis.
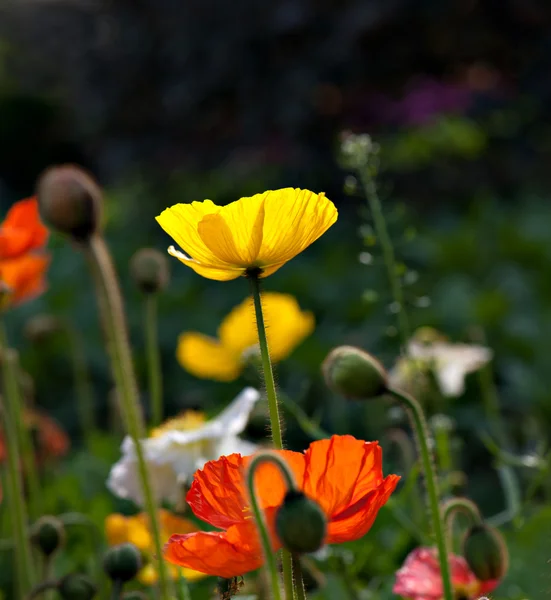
(22, 229)
(356, 520)
(342, 470)
(293, 220)
(234, 234)
(226, 554)
(207, 358)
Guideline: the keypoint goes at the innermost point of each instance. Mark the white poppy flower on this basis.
(450, 363)
(181, 446)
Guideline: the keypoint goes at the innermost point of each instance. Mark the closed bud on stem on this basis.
(70, 201)
(76, 587)
(300, 523)
(39, 327)
(149, 269)
(122, 562)
(48, 535)
(354, 373)
(485, 551)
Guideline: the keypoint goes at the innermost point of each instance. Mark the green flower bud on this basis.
(354, 373)
(40, 327)
(76, 587)
(149, 268)
(70, 201)
(122, 562)
(485, 551)
(300, 523)
(48, 535)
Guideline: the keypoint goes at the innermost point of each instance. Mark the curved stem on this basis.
(275, 421)
(421, 431)
(153, 360)
(40, 589)
(464, 505)
(300, 593)
(259, 516)
(370, 190)
(110, 300)
(11, 415)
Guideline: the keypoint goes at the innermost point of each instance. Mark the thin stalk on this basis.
(116, 589)
(123, 370)
(370, 190)
(40, 589)
(300, 593)
(259, 516)
(83, 388)
(450, 510)
(182, 588)
(275, 420)
(9, 408)
(153, 360)
(287, 568)
(421, 431)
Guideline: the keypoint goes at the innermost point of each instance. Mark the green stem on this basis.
(421, 431)
(452, 507)
(300, 593)
(370, 190)
(116, 589)
(40, 589)
(153, 360)
(123, 370)
(182, 588)
(287, 568)
(9, 409)
(83, 387)
(275, 420)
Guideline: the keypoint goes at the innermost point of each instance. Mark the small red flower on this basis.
(23, 263)
(419, 578)
(342, 474)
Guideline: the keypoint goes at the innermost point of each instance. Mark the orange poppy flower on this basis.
(22, 230)
(343, 474)
(51, 439)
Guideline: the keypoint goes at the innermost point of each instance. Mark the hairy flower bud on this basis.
(354, 373)
(300, 523)
(122, 562)
(76, 587)
(48, 535)
(149, 268)
(485, 551)
(70, 201)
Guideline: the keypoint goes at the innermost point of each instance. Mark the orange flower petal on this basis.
(227, 554)
(22, 229)
(24, 276)
(354, 522)
(342, 470)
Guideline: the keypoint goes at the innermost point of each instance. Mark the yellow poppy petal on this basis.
(216, 273)
(191, 575)
(205, 357)
(293, 220)
(286, 325)
(116, 529)
(234, 234)
(181, 223)
(148, 575)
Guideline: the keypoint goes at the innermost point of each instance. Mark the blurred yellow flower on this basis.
(135, 529)
(259, 232)
(224, 358)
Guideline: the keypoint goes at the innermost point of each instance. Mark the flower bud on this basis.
(149, 268)
(135, 595)
(48, 535)
(485, 551)
(122, 562)
(76, 587)
(354, 373)
(70, 201)
(39, 327)
(300, 523)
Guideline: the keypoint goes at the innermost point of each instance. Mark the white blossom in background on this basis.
(179, 447)
(450, 363)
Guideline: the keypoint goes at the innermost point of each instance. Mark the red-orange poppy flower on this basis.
(51, 441)
(22, 230)
(420, 579)
(342, 474)
(24, 277)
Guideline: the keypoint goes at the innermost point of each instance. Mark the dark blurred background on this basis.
(168, 101)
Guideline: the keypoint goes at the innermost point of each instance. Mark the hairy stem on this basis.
(153, 360)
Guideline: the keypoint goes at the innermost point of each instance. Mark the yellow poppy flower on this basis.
(259, 232)
(135, 529)
(224, 358)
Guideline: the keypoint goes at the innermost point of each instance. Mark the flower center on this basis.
(187, 421)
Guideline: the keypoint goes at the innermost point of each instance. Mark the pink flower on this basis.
(420, 579)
